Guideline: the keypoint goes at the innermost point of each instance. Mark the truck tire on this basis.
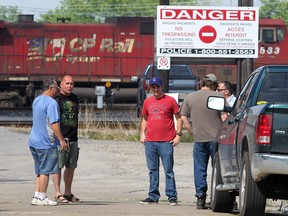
(251, 199)
(221, 201)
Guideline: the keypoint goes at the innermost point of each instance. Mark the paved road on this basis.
(110, 180)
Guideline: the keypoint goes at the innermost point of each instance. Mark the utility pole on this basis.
(164, 74)
(244, 66)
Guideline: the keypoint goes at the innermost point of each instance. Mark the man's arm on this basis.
(143, 129)
(56, 129)
(187, 124)
(224, 116)
(179, 125)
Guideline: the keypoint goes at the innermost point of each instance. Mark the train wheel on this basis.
(6, 103)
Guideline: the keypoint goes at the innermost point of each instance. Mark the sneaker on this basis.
(201, 201)
(173, 202)
(148, 201)
(46, 202)
(34, 201)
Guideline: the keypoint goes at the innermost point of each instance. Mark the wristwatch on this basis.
(179, 134)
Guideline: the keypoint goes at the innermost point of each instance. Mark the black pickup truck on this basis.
(251, 154)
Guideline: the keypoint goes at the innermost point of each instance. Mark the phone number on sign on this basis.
(207, 51)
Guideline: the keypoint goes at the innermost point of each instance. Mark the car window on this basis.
(179, 71)
(174, 72)
(243, 96)
(274, 88)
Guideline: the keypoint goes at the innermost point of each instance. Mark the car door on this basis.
(230, 136)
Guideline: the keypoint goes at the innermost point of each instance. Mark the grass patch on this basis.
(105, 129)
(104, 132)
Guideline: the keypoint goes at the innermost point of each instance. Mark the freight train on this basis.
(114, 54)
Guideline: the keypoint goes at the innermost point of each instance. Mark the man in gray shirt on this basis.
(204, 127)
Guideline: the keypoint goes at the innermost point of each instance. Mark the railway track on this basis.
(125, 114)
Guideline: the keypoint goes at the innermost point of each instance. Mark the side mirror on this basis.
(216, 103)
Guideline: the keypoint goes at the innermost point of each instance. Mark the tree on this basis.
(95, 11)
(9, 13)
(274, 9)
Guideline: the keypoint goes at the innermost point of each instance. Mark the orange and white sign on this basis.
(228, 32)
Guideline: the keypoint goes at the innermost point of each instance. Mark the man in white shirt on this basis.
(226, 89)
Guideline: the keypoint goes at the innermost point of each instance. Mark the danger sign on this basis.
(228, 32)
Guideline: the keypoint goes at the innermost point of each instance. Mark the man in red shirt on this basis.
(159, 137)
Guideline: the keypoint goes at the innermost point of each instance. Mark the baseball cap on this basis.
(155, 80)
(211, 77)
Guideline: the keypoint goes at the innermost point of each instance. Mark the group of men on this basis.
(159, 134)
(53, 140)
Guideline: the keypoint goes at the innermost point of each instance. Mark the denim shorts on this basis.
(45, 161)
(69, 158)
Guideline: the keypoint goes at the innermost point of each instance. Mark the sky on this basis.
(42, 6)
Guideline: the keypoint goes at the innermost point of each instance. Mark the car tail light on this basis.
(264, 129)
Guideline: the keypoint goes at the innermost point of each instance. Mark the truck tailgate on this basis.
(280, 129)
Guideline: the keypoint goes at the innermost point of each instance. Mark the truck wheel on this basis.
(221, 201)
(252, 201)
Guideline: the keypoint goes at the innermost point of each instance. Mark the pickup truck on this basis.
(251, 153)
(181, 80)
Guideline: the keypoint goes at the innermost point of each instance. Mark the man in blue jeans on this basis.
(159, 137)
(205, 124)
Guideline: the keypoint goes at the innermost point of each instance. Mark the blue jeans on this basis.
(154, 151)
(201, 153)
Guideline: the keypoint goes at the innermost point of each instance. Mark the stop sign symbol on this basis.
(207, 34)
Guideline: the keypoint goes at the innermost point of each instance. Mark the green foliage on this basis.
(9, 14)
(95, 11)
(274, 9)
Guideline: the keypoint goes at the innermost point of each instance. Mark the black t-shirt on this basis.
(69, 108)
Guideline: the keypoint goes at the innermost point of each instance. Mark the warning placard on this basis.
(226, 32)
(163, 63)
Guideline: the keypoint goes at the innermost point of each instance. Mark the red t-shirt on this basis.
(160, 121)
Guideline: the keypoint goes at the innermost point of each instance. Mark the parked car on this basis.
(251, 153)
(181, 80)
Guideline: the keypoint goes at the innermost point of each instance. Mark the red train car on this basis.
(117, 51)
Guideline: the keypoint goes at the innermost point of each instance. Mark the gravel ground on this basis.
(111, 179)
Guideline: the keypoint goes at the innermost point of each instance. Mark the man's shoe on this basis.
(148, 201)
(173, 202)
(46, 202)
(34, 201)
(201, 201)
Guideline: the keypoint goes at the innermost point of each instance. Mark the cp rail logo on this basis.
(76, 48)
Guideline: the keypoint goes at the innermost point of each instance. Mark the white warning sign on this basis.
(228, 32)
(163, 63)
